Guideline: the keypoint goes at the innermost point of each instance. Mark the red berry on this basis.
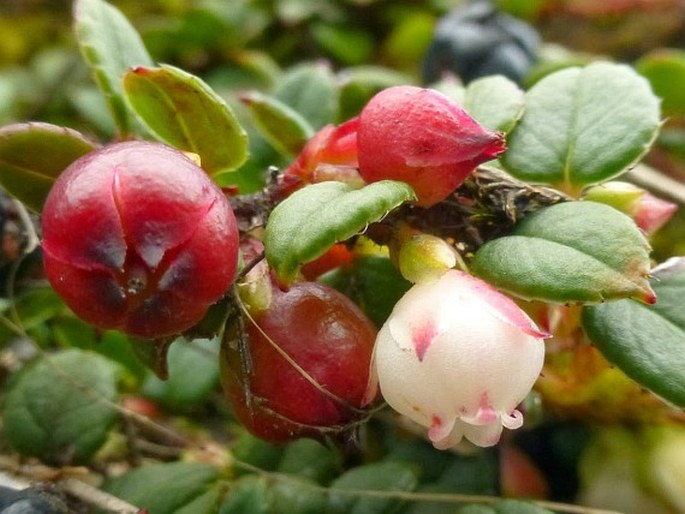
(421, 137)
(328, 338)
(138, 238)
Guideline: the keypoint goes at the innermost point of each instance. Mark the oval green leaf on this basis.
(193, 375)
(183, 111)
(380, 476)
(32, 155)
(111, 46)
(495, 102)
(582, 126)
(283, 127)
(59, 408)
(647, 342)
(311, 90)
(569, 253)
(311, 220)
(175, 488)
(665, 70)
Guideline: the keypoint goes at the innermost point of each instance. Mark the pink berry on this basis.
(136, 237)
(421, 137)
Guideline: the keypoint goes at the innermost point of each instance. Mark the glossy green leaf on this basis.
(582, 126)
(310, 221)
(569, 252)
(184, 112)
(380, 476)
(175, 488)
(111, 46)
(32, 155)
(495, 102)
(57, 407)
(193, 375)
(647, 342)
(665, 70)
(283, 127)
(311, 90)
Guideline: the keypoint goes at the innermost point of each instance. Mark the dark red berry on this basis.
(322, 383)
(136, 237)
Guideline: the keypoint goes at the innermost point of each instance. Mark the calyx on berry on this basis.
(421, 137)
(309, 354)
(136, 237)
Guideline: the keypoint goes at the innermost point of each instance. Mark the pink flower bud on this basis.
(649, 212)
(457, 357)
(423, 138)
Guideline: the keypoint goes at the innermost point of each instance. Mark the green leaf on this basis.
(504, 507)
(346, 493)
(569, 252)
(309, 459)
(360, 83)
(193, 375)
(310, 221)
(111, 46)
(495, 102)
(260, 495)
(184, 112)
(176, 488)
(57, 407)
(647, 342)
(32, 155)
(582, 126)
(283, 127)
(665, 70)
(373, 282)
(310, 89)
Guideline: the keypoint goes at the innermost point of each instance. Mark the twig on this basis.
(652, 179)
(96, 497)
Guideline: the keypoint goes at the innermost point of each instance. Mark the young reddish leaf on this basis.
(110, 45)
(646, 341)
(183, 111)
(311, 220)
(569, 252)
(32, 155)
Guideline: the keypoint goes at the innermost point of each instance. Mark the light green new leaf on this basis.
(283, 127)
(111, 46)
(184, 112)
(32, 155)
(310, 221)
(568, 253)
(582, 126)
(495, 102)
(665, 70)
(647, 342)
(56, 408)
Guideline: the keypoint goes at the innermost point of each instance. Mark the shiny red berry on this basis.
(310, 354)
(136, 237)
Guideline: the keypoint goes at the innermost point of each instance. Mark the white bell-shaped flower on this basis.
(457, 357)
